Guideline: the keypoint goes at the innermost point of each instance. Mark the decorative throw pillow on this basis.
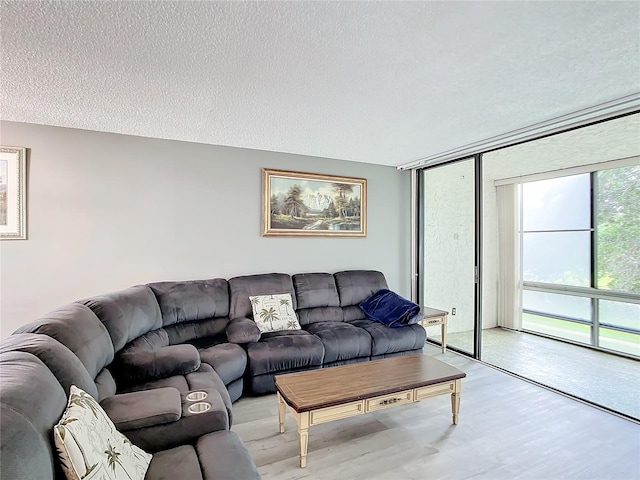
(90, 447)
(273, 313)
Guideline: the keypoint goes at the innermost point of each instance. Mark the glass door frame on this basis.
(418, 252)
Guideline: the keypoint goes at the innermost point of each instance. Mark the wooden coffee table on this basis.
(327, 394)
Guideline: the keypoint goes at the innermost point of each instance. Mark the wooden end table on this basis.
(433, 316)
(327, 394)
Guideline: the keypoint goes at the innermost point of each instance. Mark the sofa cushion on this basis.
(78, 328)
(341, 341)
(66, 367)
(126, 314)
(353, 312)
(223, 456)
(317, 298)
(178, 462)
(27, 418)
(243, 330)
(87, 441)
(354, 286)
(149, 341)
(308, 316)
(417, 351)
(105, 384)
(185, 301)
(227, 359)
(201, 333)
(315, 290)
(140, 365)
(216, 456)
(391, 340)
(273, 313)
(282, 351)
(236, 389)
(147, 408)
(241, 288)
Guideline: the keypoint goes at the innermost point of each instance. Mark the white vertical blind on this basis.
(509, 301)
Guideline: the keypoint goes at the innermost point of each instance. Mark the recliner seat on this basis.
(150, 345)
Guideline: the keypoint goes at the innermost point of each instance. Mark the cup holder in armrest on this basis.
(199, 407)
(196, 396)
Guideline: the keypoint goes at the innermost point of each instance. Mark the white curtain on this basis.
(509, 260)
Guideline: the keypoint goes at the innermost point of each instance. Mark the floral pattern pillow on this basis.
(90, 447)
(273, 313)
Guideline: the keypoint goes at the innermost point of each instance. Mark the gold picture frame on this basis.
(302, 204)
(13, 200)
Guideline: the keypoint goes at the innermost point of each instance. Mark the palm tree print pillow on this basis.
(90, 447)
(273, 313)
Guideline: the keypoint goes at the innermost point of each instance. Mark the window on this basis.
(581, 258)
(618, 229)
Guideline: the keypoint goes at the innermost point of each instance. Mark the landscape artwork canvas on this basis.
(309, 204)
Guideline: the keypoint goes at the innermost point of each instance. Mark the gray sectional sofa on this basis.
(141, 351)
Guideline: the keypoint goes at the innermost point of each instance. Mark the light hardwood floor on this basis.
(508, 429)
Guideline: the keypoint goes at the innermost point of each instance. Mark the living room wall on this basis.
(107, 211)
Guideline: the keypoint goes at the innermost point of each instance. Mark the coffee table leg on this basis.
(455, 401)
(303, 435)
(282, 410)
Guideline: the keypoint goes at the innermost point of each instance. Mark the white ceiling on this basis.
(378, 82)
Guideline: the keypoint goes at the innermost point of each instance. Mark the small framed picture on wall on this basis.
(13, 174)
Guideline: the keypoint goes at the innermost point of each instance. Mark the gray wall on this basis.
(108, 211)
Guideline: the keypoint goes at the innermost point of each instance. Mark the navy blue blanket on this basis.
(391, 309)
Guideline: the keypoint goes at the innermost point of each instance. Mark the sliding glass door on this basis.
(581, 258)
(448, 266)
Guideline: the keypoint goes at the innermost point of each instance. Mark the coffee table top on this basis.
(326, 387)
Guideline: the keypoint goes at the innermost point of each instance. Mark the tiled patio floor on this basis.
(601, 378)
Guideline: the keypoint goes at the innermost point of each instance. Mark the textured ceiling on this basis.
(377, 82)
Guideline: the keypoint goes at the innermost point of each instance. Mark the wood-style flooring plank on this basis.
(509, 429)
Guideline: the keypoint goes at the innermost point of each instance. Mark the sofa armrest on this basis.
(191, 426)
(146, 408)
(159, 363)
(242, 330)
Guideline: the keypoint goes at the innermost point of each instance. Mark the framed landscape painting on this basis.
(13, 173)
(310, 204)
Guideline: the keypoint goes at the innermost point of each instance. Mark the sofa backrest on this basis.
(126, 314)
(61, 361)
(31, 403)
(241, 288)
(354, 286)
(76, 327)
(193, 310)
(317, 298)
